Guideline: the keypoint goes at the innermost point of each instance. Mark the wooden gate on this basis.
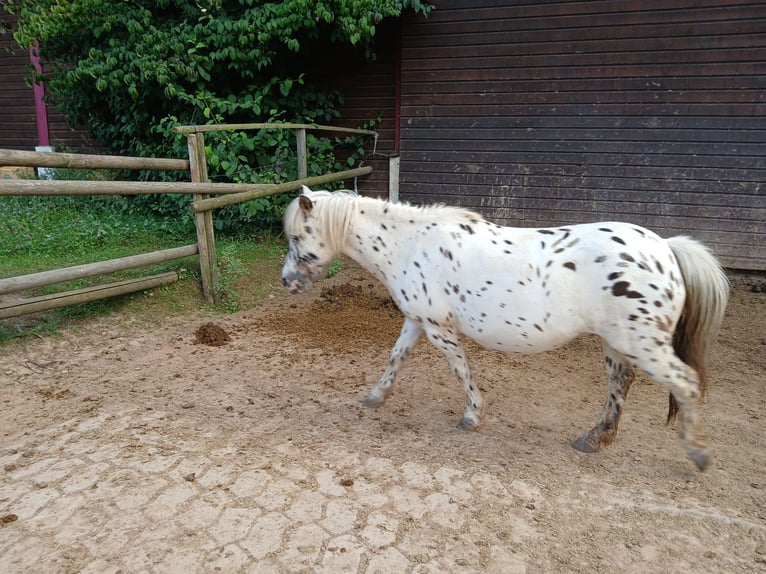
(203, 205)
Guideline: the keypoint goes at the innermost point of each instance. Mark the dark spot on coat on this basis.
(627, 257)
(570, 265)
(618, 240)
(669, 294)
(615, 275)
(467, 228)
(622, 289)
(606, 229)
(546, 231)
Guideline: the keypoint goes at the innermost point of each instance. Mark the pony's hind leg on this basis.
(619, 377)
(683, 382)
(411, 332)
(659, 360)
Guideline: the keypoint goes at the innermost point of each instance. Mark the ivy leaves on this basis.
(133, 69)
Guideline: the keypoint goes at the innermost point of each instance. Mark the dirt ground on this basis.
(237, 443)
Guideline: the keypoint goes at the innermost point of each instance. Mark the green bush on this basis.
(134, 70)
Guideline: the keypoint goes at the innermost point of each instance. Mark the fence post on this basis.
(302, 162)
(203, 220)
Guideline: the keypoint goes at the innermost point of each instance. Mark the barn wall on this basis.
(18, 126)
(369, 90)
(18, 121)
(552, 113)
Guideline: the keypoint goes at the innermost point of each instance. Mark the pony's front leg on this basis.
(449, 344)
(411, 332)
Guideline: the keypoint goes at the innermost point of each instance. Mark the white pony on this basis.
(656, 303)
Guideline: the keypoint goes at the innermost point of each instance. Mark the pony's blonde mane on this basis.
(332, 211)
(335, 211)
(420, 213)
(338, 206)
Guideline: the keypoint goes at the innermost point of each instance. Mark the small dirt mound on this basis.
(349, 313)
(345, 295)
(212, 335)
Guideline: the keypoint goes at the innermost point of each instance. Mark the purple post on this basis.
(39, 90)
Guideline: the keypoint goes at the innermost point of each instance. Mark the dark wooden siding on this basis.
(18, 126)
(18, 120)
(549, 113)
(369, 90)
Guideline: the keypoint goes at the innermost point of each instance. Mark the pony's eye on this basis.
(295, 238)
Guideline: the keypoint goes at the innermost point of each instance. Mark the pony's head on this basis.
(315, 224)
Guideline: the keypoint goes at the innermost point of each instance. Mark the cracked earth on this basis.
(134, 445)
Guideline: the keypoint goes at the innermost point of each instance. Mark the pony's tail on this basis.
(707, 293)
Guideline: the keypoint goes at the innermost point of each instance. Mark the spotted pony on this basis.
(656, 303)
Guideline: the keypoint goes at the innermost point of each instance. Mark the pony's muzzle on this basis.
(294, 284)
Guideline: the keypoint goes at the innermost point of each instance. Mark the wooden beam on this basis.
(48, 302)
(203, 221)
(216, 202)
(58, 187)
(87, 161)
(301, 151)
(285, 126)
(34, 280)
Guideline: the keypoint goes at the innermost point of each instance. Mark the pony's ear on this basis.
(305, 203)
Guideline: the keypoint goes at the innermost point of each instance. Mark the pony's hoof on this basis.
(584, 445)
(467, 424)
(701, 458)
(372, 402)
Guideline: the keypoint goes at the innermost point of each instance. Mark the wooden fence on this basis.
(202, 205)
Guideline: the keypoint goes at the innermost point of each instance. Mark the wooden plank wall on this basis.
(551, 112)
(369, 90)
(18, 122)
(18, 127)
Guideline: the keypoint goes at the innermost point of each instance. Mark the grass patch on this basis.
(41, 233)
(38, 233)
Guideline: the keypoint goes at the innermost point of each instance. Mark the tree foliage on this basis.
(133, 69)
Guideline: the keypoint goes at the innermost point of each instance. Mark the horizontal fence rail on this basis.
(285, 126)
(47, 302)
(69, 187)
(19, 158)
(45, 278)
(247, 195)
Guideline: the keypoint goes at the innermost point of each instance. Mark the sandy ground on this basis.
(156, 445)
